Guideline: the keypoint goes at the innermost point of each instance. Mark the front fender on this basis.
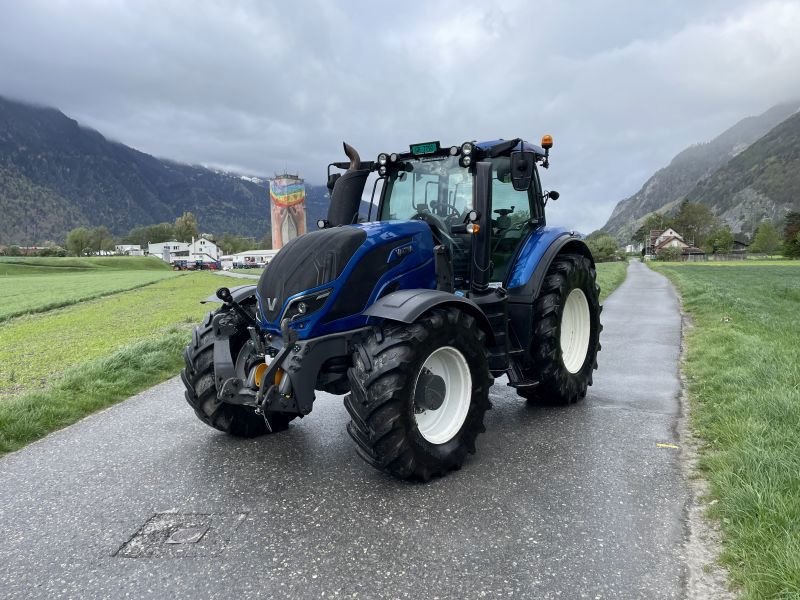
(534, 258)
(407, 306)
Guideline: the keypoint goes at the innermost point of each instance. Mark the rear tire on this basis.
(566, 333)
(393, 430)
(201, 388)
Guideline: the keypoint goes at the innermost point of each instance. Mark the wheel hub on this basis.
(430, 392)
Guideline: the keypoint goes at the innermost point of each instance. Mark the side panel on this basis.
(399, 255)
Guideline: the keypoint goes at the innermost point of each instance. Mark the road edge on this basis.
(706, 577)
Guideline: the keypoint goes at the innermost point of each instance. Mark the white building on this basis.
(204, 250)
(129, 249)
(200, 249)
(169, 251)
(254, 258)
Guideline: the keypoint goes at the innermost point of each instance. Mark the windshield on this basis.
(439, 186)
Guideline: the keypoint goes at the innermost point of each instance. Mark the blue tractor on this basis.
(457, 280)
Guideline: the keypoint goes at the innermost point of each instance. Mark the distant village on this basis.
(199, 253)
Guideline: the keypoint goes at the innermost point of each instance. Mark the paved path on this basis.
(558, 503)
(237, 275)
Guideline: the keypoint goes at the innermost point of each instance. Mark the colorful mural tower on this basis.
(288, 205)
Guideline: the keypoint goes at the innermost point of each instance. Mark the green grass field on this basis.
(29, 265)
(32, 285)
(743, 368)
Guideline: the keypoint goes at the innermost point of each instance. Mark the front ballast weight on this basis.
(408, 319)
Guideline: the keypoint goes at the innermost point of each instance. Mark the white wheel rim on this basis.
(441, 425)
(575, 328)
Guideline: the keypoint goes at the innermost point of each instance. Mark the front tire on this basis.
(566, 333)
(419, 393)
(201, 387)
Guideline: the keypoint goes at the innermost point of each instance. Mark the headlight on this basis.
(466, 148)
(393, 157)
(383, 158)
(466, 161)
(382, 170)
(306, 305)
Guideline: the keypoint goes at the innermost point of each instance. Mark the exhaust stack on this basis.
(347, 190)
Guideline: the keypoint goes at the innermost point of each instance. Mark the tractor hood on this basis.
(322, 281)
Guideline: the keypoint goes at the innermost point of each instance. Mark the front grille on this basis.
(306, 262)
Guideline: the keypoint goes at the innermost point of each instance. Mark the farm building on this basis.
(661, 239)
(202, 250)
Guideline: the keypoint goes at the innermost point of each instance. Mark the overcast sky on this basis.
(261, 86)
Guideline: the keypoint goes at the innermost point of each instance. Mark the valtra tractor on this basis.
(457, 280)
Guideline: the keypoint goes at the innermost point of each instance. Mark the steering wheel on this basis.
(438, 226)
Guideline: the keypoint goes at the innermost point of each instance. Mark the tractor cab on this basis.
(440, 187)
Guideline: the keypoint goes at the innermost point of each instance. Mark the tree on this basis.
(719, 241)
(604, 247)
(150, 234)
(13, 251)
(670, 254)
(79, 241)
(100, 239)
(186, 227)
(791, 235)
(766, 240)
(695, 222)
(233, 244)
(266, 242)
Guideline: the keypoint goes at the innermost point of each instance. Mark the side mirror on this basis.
(332, 179)
(522, 164)
(553, 195)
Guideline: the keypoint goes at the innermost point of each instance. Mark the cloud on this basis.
(260, 87)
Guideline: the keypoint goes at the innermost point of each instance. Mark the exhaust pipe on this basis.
(347, 190)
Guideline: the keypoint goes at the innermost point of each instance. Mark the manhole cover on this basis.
(176, 535)
(187, 535)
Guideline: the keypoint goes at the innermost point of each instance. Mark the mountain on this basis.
(761, 183)
(56, 175)
(668, 186)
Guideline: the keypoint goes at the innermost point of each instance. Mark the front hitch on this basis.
(225, 295)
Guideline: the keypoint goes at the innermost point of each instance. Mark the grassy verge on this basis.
(89, 387)
(610, 276)
(743, 368)
(38, 349)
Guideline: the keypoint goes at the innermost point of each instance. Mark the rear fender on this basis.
(406, 306)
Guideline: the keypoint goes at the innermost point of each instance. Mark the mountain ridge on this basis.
(56, 174)
(664, 190)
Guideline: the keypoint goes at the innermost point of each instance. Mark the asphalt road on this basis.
(557, 503)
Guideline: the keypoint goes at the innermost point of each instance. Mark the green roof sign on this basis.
(425, 148)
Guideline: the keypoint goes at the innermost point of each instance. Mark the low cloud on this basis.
(259, 88)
